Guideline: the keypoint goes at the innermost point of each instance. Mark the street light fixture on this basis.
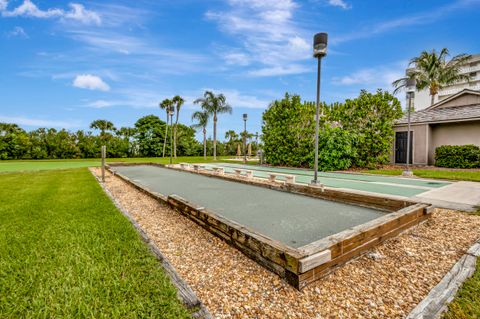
(245, 117)
(410, 89)
(320, 41)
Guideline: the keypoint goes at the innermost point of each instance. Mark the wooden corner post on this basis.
(104, 155)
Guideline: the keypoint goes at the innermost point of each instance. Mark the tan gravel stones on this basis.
(385, 283)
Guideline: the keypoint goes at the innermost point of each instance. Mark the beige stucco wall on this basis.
(460, 133)
(467, 99)
(420, 143)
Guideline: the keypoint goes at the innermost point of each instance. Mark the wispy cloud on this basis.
(375, 77)
(17, 32)
(266, 34)
(414, 19)
(77, 12)
(91, 82)
(339, 3)
(35, 122)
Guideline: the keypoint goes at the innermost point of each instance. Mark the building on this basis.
(455, 120)
(422, 98)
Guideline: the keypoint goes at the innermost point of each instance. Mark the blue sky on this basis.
(65, 64)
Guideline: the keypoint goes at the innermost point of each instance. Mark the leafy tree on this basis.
(104, 126)
(177, 104)
(232, 141)
(288, 132)
(337, 149)
(128, 134)
(214, 105)
(14, 141)
(167, 106)
(371, 117)
(202, 118)
(432, 71)
(149, 135)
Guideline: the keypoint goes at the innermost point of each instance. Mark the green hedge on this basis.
(457, 156)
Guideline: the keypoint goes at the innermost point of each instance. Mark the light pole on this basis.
(170, 112)
(319, 51)
(245, 117)
(410, 88)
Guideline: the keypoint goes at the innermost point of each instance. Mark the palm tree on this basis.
(202, 118)
(104, 126)
(214, 104)
(231, 136)
(432, 71)
(167, 106)
(177, 102)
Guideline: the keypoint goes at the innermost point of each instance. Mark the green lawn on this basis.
(67, 252)
(430, 173)
(29, 165)
(467, 302)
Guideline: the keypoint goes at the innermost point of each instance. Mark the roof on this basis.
(453, 97)
(447, 114)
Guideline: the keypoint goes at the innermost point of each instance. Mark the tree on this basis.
(202, 118)
(149, 135)
(14, 141)
(371, 117)
(167, 106)
(432, 71)
(104, 126)
(177, 103)
(214, 105)
(128, 133)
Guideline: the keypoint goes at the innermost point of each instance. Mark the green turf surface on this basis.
(67, 252)
(374, 184)
(473, 176)
(34, 165)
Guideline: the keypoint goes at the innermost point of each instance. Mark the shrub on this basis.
(336, 149)
(457, 156)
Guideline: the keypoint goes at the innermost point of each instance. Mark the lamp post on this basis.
(319, 51)
(245, 117)
(410, 88)
(170, 112)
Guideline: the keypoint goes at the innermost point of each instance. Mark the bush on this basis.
(336, 149)
(457, 156)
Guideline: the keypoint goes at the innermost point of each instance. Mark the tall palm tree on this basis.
(177, 102)
(432, 71)
(214, 104)
(104, 126)
(166, 105)
(202, 118)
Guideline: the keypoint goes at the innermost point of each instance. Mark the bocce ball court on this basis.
(297, 231)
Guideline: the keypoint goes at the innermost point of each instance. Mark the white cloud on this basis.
(79, 13)
(38, 122)
(100, 104)
(3, 4)
(91, 82)
(265, 31)
(280, 70)
(237, 99)
(29, 9)
(373, 78)
(18, 32)
(339, 3)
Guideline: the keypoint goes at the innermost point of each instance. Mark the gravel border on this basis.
(184, 293)
(388, 282)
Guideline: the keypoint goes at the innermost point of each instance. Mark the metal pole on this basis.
(408, 130)
(317, 124)
(104, 155)
(245, 141)
(171, 137)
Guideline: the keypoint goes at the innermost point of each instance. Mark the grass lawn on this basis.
(67, 252)
(467, 302)
(431, 173)
(30, 165)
